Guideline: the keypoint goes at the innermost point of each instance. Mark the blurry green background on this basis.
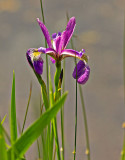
(100, 31)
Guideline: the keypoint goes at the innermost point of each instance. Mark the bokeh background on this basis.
(99, 30)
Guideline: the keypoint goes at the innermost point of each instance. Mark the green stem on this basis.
(56, 138)
(47, 71)
(85, 123)
(27, 107)
(75, 115)
(62, 131)
(38, 148)
(57, 95)
(56, 78)
(62, 114)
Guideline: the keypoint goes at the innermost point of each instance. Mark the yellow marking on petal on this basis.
(123, 125)
(87, 152)
(35, 54)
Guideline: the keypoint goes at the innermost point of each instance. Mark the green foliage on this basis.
(13, 122)
(33, 132)
(3, 119)
(3, 152)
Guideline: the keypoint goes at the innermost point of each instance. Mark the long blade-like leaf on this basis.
(34, 131)
(13, 122)
(3, 152)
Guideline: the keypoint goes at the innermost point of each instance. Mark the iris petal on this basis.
(67, 34)
(45, 32)
(83, 72)
(28, 53)
(38, 66)
(57, 44)
(80, 69)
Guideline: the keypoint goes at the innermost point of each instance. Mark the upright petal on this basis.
(56, 44)
(38, 66)
(45, 32)
(83, 72)
(67, 34)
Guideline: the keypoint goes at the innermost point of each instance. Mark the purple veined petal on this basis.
(67, 34)
(52, 60)
(56, 44)
(70, 53)
(83, 72)
(38, 66)
(85, 76)
(80, 69)
(42, 49)
(51, 52)
(45, 32)
(73, 53)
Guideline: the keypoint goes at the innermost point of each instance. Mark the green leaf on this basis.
(3, 119)
(3, 152)
(13, 122)
(33, 132)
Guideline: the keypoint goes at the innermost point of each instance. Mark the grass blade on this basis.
(13, 122)
(3, 119)
(85, 123)
(34, 131)
(27, 106)
(3, 152)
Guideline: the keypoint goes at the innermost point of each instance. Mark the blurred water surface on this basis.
(99, 30)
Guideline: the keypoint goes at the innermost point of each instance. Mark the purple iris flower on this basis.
(57, 50)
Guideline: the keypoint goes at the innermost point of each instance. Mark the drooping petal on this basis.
(38, 66)
(83, 72)
(28, 53)
(35, 60)
(45, 32)
(72, 53)
(42, 49)
(85, 76)
(67, 34)
(52, 53)
(80, 69)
